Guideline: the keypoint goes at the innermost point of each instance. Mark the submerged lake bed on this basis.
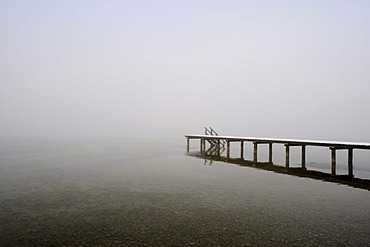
(145, 192)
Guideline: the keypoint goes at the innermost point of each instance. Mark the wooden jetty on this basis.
(218, 143)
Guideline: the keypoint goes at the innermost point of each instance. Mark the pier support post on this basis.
(286, 156)
(350, 162)
(270, 153)
(187, 145)
(228, 149)
(218, 147)
(333, 161)
(255, 147)
(242, 150)
(202, 145)
(304, 157)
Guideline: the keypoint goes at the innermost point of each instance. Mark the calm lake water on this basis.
(149, 193)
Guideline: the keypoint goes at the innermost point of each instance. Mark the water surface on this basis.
(148, 192)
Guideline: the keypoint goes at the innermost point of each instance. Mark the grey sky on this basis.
(293, 69)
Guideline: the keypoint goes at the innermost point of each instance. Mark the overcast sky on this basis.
(294, 69)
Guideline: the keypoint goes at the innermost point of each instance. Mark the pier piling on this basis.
(203, 146)
(286, 156)
(303, 157)
(333, 161)
(270, 153)
(228, 148)
(350, 162)
(255, 149)
(242, 150)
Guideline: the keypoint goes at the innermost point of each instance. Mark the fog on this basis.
(83, 69)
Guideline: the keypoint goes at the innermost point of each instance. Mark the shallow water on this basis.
(147, 192)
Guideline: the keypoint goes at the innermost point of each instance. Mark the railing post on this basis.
(286, 156)
(350, 162)
(304, 157)
(333, 161)
(255, 154)
(270, 153)
(242, 150)
(213, 131)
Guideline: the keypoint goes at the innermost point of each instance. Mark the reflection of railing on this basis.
(208, 162)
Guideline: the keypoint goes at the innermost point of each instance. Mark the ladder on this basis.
(212, 132)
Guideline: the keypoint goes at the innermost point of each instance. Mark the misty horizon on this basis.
(282, 69)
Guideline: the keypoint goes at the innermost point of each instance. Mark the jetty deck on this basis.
(219, 142)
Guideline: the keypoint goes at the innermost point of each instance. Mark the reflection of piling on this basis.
(217, 145)
(209, 157)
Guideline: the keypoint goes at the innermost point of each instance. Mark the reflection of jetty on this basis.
(296, 171)
(217, 144)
